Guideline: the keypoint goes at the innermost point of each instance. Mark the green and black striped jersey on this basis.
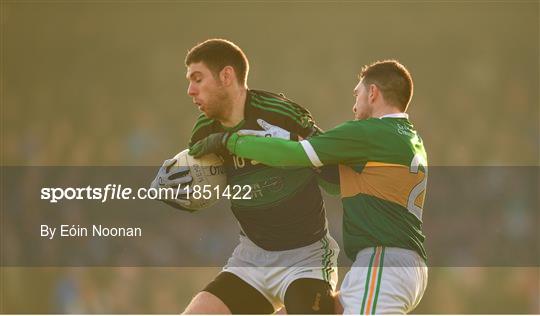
(286, 210)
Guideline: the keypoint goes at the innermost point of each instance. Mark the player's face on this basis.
(361, 108)
(207, 92)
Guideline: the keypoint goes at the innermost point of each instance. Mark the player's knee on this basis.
(309, 296)
(206, 303)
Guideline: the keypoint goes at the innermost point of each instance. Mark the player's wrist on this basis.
(230, 143)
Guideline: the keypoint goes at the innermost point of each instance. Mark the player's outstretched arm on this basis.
(270, 151)
(270, 146)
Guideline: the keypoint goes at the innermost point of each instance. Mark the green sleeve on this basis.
(347, 143)
(273, 152)
(344, 144)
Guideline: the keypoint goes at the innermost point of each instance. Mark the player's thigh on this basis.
(238, 296)
(393, 285)
(206, 303)
(309, 296)
(365, 292)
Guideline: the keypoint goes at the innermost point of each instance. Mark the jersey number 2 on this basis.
(418, 160)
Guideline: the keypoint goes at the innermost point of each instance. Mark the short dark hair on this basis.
(392, 78)
(218, 53)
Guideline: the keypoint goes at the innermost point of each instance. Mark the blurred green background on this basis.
(103, 83)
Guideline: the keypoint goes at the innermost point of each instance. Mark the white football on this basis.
(206, 170)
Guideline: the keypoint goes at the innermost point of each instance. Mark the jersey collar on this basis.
(396, 115)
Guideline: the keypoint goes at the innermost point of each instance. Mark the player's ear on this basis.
(373, 93)
(227, 75)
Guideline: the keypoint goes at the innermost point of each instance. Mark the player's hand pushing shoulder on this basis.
(269, 130)
(217, 142)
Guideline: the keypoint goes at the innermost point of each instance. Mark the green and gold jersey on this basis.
(286, 209)
(383, 176)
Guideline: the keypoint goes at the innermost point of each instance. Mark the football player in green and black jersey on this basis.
(383, 175)
(285, 256)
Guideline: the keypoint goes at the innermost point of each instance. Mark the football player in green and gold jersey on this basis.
(383, 176)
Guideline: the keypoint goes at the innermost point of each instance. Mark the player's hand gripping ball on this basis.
(185, 174)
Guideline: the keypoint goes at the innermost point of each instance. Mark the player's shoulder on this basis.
(202, 127)
(372, 123)
(360, 124)
(265, 97)
(201, 122)
(278, 105)
(393, 132)
(360, 128)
